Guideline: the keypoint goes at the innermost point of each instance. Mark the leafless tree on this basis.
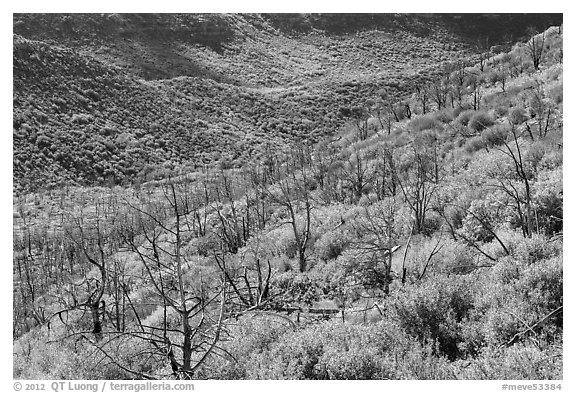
(474, 83)
(357, 175)
(535, 47)
(423, 96)
(91, 240)
(486, 224)
(542, 111)
(384, 178)
(417, 180)
(440, 90)
(248, 277)
(378, 235)
(163, 222)
(522, 199)
(458, 81)
(483, 48)
(290, 190)
(323, 158)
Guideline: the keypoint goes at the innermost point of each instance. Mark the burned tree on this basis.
(183, 291)
(378, 232)
(535, 47)
(289, 189)
(417, 178)
(522, 194)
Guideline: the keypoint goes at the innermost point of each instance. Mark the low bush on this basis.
(518, 115)
(295, 288)
(459, 109)
(452, 257)
(336, 350)
(330, 350)
(37, 357)
(549, 202)
(520, 362)
(480, 121)
(556, 94)
(332, 244)
(474, 144)
(551, 160)
(534, 249)
(250, 336)
(495, 77)
(444, 116)
(511, 297)
(434, 310)
(425, 122)
(540, 287)
(465, 116)
(495, 135)
(500, 111)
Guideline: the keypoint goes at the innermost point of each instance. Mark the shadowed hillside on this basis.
(83, 115)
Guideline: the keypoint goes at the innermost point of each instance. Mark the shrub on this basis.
(480, 121)
(332, 244)
(534, 249)
(332, 350)
(518, 116)
(465, 116)
(332, 280)
(495, 136)
(473, 228)
(295, 287)
(540, 286)
(252, 335)
(510, 297)
(494, 77)
(82, 118)
(548, 202)
(500, 99)
(444, 116)
(451, 257)
(500, 111)
(362, 270)
(551, 160)
(35, 357)
(474, 144)
(520, 362)
(556, 94)
(459, 109)
(425, 122)
(43, 141)
(514, 91)
(90, 93)
(420, 363)
(554, 73)
(350, 359)
(433, 311)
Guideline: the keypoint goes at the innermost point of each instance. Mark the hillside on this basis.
(269, 50)
(421, 237)
(113, 99)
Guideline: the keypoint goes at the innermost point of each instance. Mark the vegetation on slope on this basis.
(82, 116)
(429, 234)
